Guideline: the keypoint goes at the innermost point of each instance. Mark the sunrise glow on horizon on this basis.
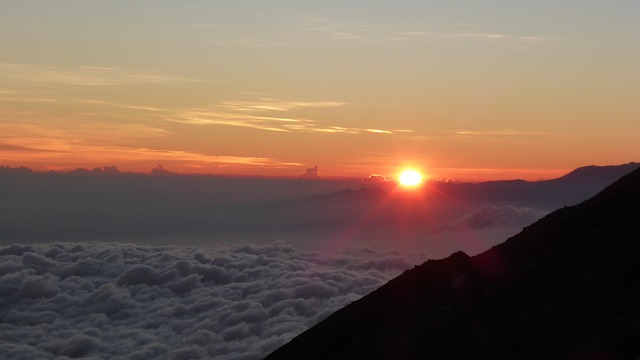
(472, 90)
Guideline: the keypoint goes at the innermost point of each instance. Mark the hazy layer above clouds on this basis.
(39, 207)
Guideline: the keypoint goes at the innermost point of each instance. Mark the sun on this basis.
(410, 178)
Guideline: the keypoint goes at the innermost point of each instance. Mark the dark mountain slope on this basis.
(567, 287)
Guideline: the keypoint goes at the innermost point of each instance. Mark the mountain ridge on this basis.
(563, 288)
(596, 171)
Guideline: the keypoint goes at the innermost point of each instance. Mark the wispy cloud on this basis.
(272, 115)
(7, 95)
(504, 132)
(11, 148)
(325, 28)
(514, 41)
(27, 99)
(123, 106)
(264, 43)
(485, 36)
(82, 76)
(370, 33)
(89, 131)
(269, 104)
(64, 151)
(65, 146)
(317, 31)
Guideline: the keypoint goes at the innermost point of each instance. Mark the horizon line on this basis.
(161, 171)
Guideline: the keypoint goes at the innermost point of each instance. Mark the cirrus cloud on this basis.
(82, 75)
(53, 150)
(272, 115)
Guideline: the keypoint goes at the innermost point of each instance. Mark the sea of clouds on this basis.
(172, 288)
(197, 296)
(124, 301)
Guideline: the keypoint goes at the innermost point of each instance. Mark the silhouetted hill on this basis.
(570, 189)
(595, 173)
(566, 287)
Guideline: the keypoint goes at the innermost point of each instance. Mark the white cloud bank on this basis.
(502, 217)
(122, 301)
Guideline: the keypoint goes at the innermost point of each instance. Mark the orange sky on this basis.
(487, 90)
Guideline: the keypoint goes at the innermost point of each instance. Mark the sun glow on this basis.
(410, 178)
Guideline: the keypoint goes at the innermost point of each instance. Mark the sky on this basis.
(462, 89)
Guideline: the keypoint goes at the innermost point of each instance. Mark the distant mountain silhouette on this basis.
(105, 203)
(570, 189)
(599, 173)
(566, 287)
(436, 206)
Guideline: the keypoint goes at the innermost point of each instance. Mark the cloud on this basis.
(271, 115)
(117, 301)
(485, 36)
(32, 149)
(15, 96)
(512, 40)
(27, 99)
(262, 43)
(503, 217)
(324, 28)
(505, 132)
(277, 105)
(39, 129)
(421, 34)
(83, 76)
(18, 148)
(123, 106)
